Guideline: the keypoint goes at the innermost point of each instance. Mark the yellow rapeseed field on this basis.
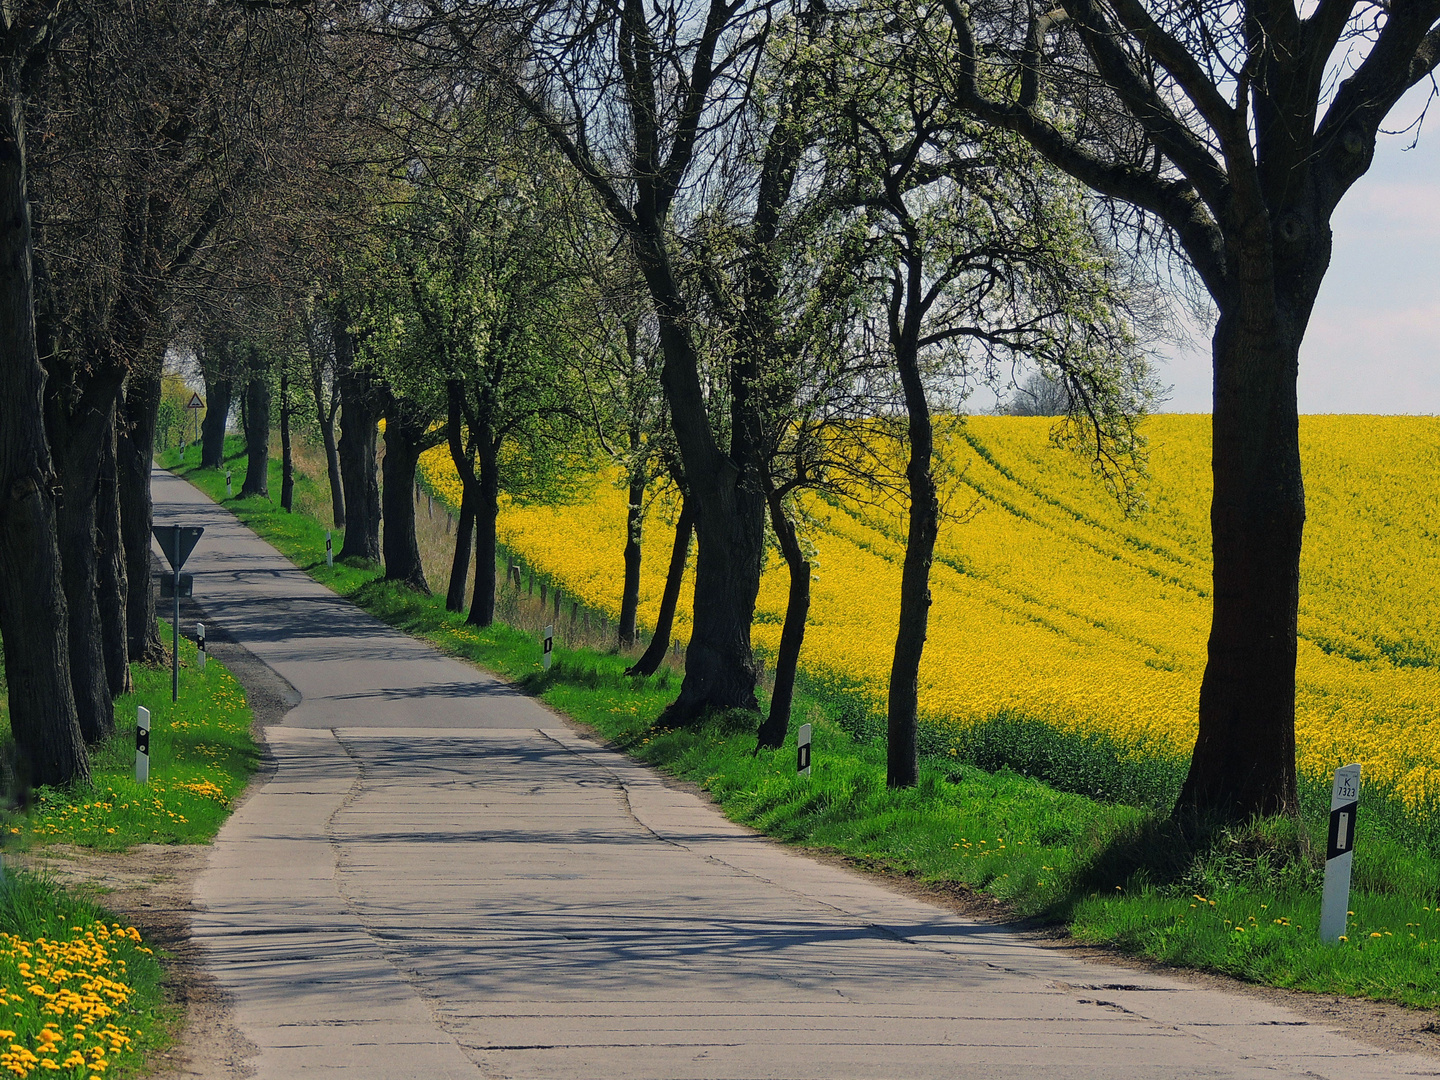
(1050, 603)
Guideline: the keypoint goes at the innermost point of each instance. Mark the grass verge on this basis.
(82, 993)
(1240, 901)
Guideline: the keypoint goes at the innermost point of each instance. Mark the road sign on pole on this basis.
(1339, 853)
(177, 542)
(195, 405)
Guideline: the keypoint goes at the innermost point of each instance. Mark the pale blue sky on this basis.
(1374, 341)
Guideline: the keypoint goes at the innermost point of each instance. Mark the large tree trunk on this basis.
(77, 429)
(33, 618)
(729, 506)
(792, 635)
(630, 591)
(902, 764)
(402, 452)
(134, 450)
(287, 460)
(325, 412)
(257, 437)
(1244, 760)
(112, 584)
(218, 397)
(469, 496)
(487, 512)
(649, 662)
(359, 413)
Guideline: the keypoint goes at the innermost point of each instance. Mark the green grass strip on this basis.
(81, 992)
(1241, 901)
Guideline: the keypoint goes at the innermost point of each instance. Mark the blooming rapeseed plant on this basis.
(1049, 603)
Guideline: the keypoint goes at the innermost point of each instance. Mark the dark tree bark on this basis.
(33, 617)
(325, 411)
(649, 662)
(630, 591)
(487, 512)
(287, 460)
(219, 395)
(80, 406)
(469, 495)
(1244, 759)
(112, 584)
(902, 765)
(359, 413)
(403, 446)
(726, 490)
(792, 636)
(257, 436)
(134, 451)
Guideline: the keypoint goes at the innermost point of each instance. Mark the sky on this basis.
(1373, 345)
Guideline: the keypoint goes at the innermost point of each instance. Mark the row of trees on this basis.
(743, 249)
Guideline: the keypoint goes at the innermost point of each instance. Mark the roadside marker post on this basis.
(229, 491)
(1339, 853)
(177, 542)
(802, 751)
(329, 551)
(549, 645)
(200, 643)
(142, 745)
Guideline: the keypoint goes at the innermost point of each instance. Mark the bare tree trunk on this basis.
(287, 460)
(33, 618)
(792, 636)
(219, 395)
(134, 450)
(902, 754)
(112, 583)
(630, 592)
(1244, 760)
(359, 413)
(402, 453)
(325, 412)
(469, 495)
(649, 662)
(257, 437)
(80, 408)
(487, 511)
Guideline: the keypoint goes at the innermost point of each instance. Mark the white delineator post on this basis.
(200, 644)
(229, 491)
(1339, 852)
(802, 751)
(329, 551)
(549, 646)
(142, 745)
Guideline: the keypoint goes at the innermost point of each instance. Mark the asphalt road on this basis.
(441, 879)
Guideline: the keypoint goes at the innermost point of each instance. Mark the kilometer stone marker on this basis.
(1339, 852)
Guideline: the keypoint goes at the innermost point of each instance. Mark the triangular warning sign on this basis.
(194, 402)
(177, 541)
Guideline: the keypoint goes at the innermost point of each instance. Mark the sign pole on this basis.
(329, 551)
(200, 644)
(802, 751)
(549, 645)
(1339, 853)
